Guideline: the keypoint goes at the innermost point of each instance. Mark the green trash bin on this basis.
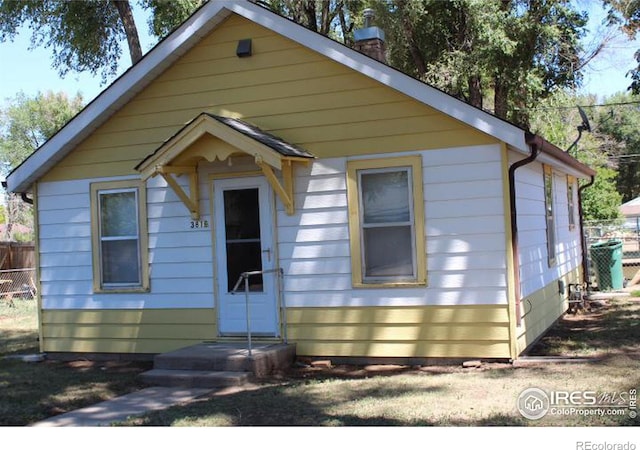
(606, 258)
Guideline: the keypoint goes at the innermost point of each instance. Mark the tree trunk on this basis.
(475, 91)
(500, 100)
(130, 29)
(309, 7)
(409, 34)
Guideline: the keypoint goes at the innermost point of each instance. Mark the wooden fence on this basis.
(17, 255)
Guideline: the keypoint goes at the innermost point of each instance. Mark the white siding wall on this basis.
(535, 272)
(464, 239)
(464, 234)
(180, 258)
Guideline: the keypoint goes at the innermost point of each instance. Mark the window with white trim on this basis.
(119, 242)
(386, 221)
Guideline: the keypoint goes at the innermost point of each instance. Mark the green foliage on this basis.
(89, 35)
(332, 18)
(620, 123)
(601, 201)
(557, 119)
(626, 14)
(513, 53)
(168, 14)
(27, 122)
(83, 35)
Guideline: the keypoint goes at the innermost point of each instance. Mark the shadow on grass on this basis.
(36, 391)
(605, 329)
(295, 405)
(16, 342)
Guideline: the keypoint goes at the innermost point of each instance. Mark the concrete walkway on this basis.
(120, 408)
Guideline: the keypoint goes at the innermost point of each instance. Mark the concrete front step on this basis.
(194, 378)
(218, 364)
(264, 359)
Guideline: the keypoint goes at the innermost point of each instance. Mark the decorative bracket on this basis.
(284, 192)
(191, 201)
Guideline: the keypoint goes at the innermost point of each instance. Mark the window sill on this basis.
(136, 290)
(399, 284)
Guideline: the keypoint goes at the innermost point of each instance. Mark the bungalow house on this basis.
(380, 217)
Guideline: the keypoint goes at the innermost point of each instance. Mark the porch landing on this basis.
(218, 364)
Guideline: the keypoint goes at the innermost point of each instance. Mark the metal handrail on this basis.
(245, 276)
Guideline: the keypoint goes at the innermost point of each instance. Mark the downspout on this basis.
(23, 195)
(535, 144)
(583, 238)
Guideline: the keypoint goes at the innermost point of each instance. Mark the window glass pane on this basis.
(242, 230)
(241, 214)
(385, 197)
(551, 232)
(244, 257)
(118, 214)
(120, 262)
(388, 251)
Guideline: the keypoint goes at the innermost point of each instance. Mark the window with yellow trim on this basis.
(386, 220)
(119, 236)
(550, 214)
(571, 181)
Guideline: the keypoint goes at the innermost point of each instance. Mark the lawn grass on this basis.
(433, 396)
(438, 395)
(349, 395)
(18, 327)
(36, 391)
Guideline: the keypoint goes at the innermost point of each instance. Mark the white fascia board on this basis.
(387, 75)
(117, 95)
(196, 27)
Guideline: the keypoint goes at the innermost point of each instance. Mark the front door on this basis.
(244, 243)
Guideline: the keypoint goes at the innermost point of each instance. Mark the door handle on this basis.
(268, 252)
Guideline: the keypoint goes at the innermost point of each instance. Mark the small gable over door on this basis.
(210, 137)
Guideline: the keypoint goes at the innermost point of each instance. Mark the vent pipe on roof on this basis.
(370, 39)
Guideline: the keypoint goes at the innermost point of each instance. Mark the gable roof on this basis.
(199, 25)
(240, 134)
(631, 208)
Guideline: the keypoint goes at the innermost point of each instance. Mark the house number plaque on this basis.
(197, 224)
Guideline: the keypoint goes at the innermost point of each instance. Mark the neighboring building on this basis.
(244, 141)
(631, 212)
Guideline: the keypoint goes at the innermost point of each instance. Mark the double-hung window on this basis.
(571, 182)
(550, 214)
(119, 236)
(386, 220)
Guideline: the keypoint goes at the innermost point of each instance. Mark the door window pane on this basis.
(242, 232)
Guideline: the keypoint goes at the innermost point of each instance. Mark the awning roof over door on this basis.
(211, 138)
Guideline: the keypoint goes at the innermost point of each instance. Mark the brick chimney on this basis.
(370, 39)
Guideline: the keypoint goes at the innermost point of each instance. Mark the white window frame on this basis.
(355, 169)
(98, 190)
(410, 223)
